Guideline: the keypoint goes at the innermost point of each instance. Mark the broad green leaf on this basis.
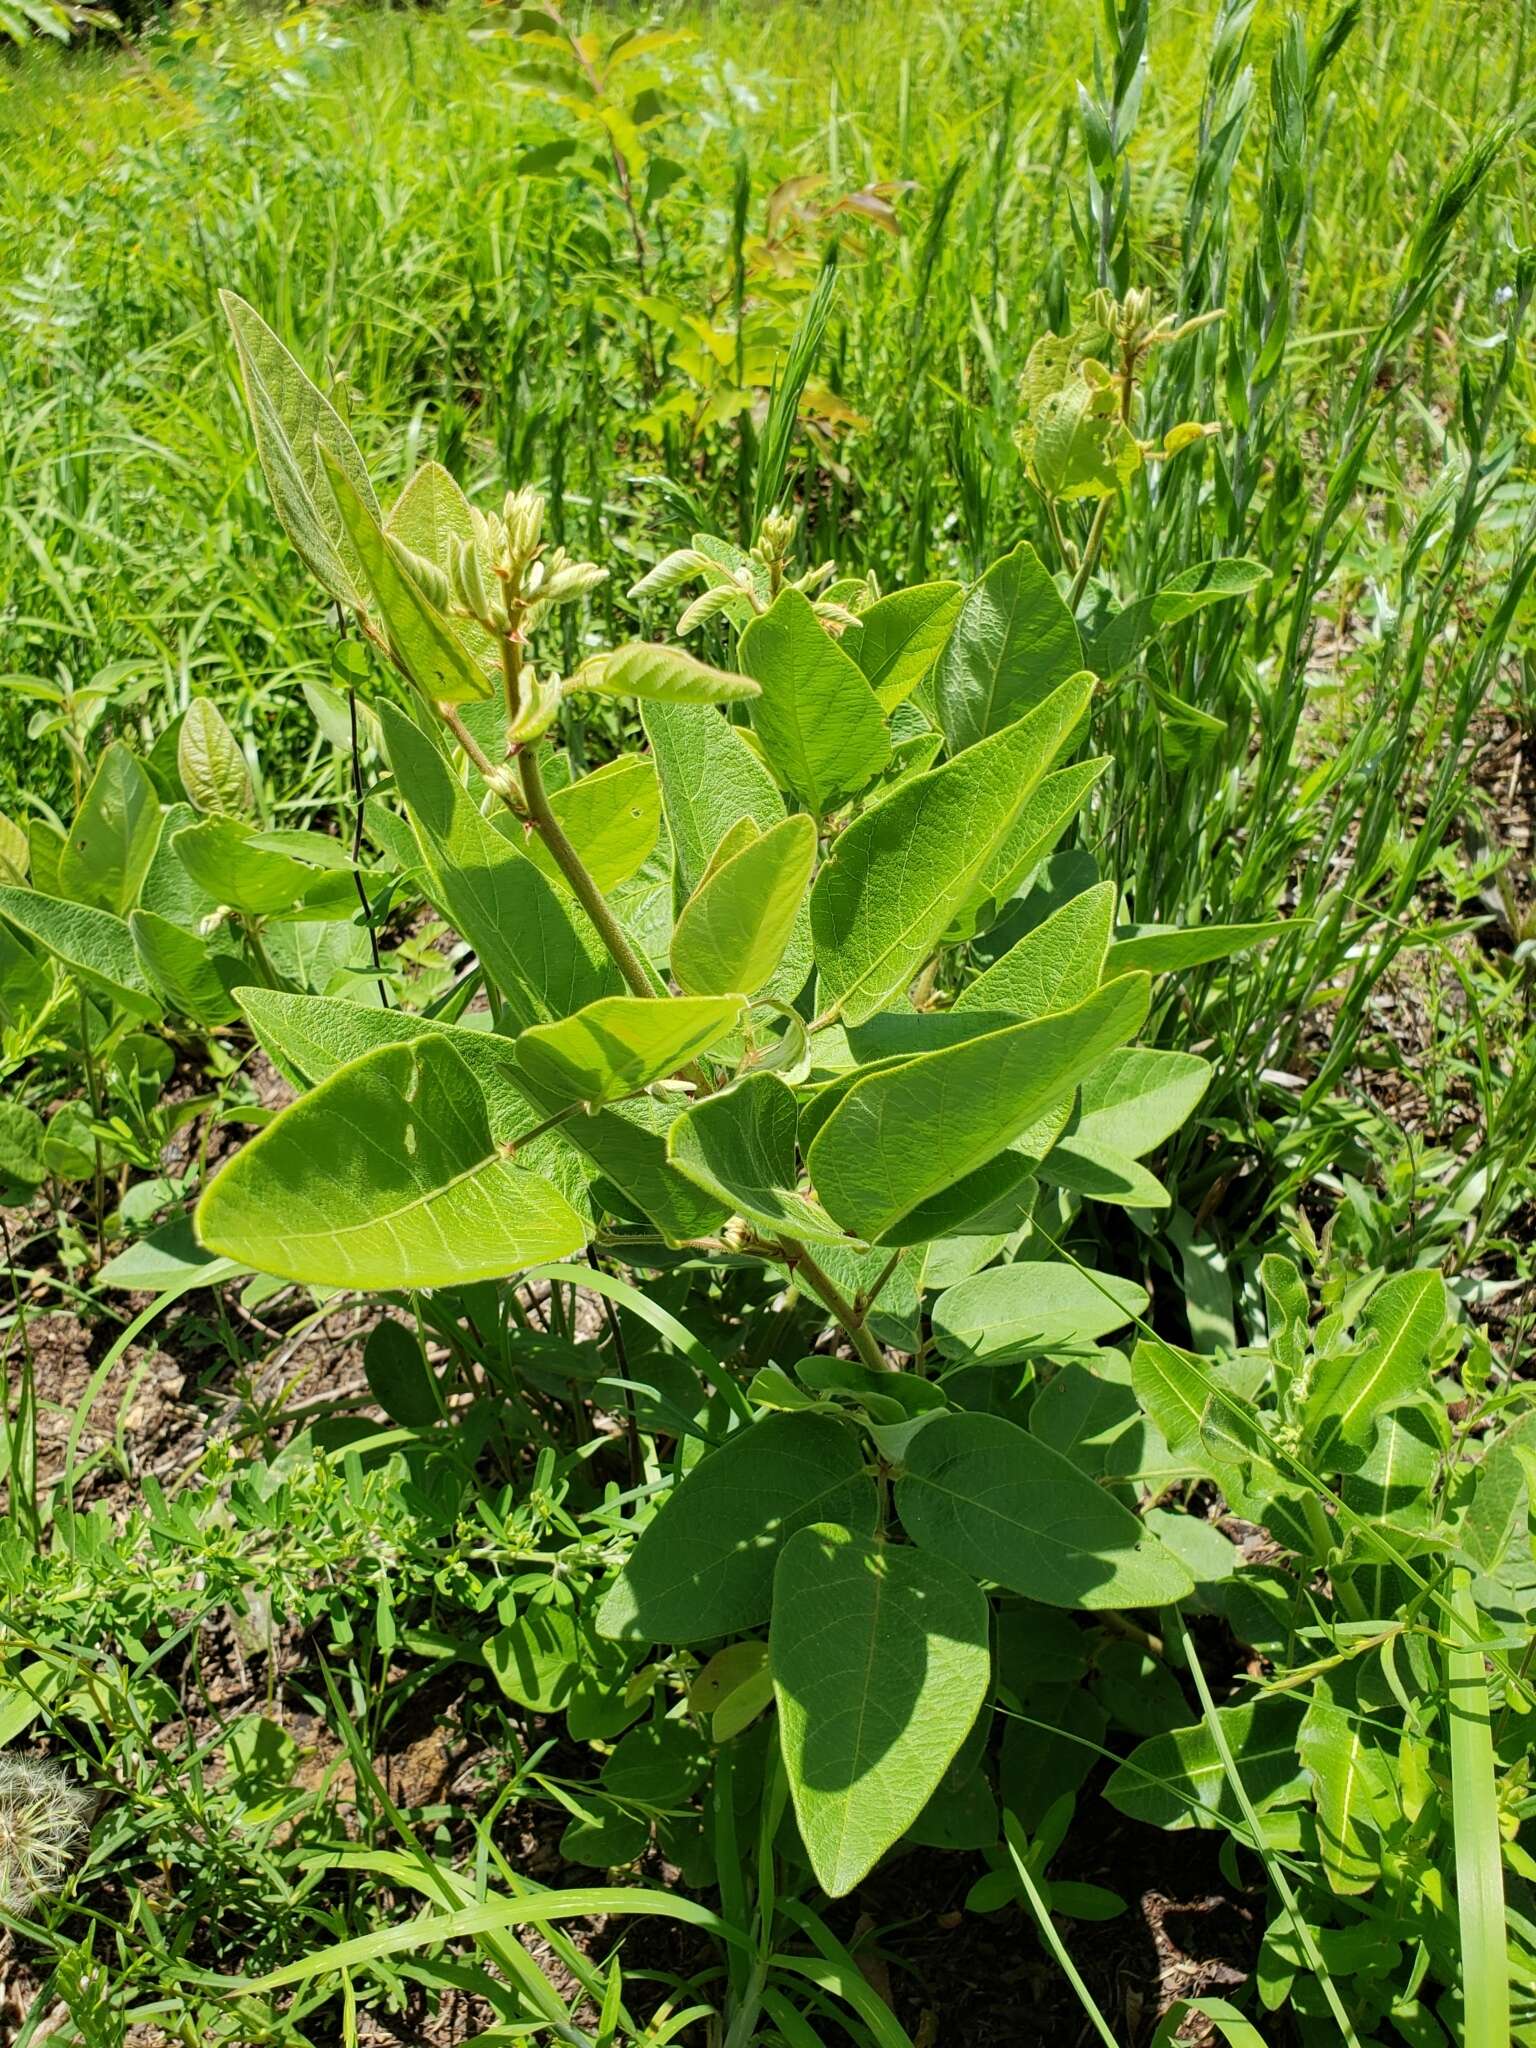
(386, 1176)
(740, 1144)
(612, 817)
(907, 1132)
(1013, 643)
(221, 856)
(1102, 1174)
(292, 423)
(92, 944)
(881, 1662)
(1350, 1780)
(661, 675)
(430, 515)
(1001, 1505)
(822, 731)
(23, 1168)
(213, 770)
(112, 840)
(534, 942)
(621, 1044)
(1167, 949)
(1179, 1781)
(731, 934)
(1052, 967)
(1137, 1098)
(308, 1038)
(704, 1564)
(1388, 1363)
(1034, 834)
(900, 637)
(399, 1377)
(184, 970)
(168, 1258)
(45, 844)
(426, 644)
(1034, 1306)
(710, 781)
(899, 874)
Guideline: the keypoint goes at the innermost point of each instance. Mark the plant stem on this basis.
(93, 1089)
(571, 865)
(448, 713)
(799, 1260)
(1089, 563)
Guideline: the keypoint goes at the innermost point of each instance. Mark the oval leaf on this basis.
(822, 730)
(386, 1176)
(621, 1044)
(905, 1133)
(704, 1565)
(880, 1665)
(732, 932)
(995, 1501)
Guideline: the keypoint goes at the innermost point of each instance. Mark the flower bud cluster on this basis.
(503, 575)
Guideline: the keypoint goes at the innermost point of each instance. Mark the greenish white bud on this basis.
(523, 517)
(469, 585)
(424, 574)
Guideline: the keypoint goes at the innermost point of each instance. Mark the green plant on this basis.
(828, 1091)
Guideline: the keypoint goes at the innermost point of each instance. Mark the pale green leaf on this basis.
(1001, 1505)
(213, 770)
(1167, 949)
(1052, 967)
(900, 637)
(184, 970)
(1013, 643)
(1035, 1306)
(1350, 1778)
(93, 944)
(711, 781)
(905, 1133)
(292, 423)
(612, 817)
(821, 728)
(1387, 1364)
(899, 874)
(386, 1176)
(1034, 833)
(221, 856)
(15, 852)
(661, 675)
(1137, 1098)
(533, 940)
(704, 1564)
(740, 1144)
(112, 839)
(881, 1662)
(732, 933)
(426, 644)
(1100, 1173)
(621, 1044)
(1178, 1780)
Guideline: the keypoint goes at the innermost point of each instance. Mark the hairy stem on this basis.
(799, 1260)
(571, 865)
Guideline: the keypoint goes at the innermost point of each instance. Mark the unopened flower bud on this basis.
(523, 516)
